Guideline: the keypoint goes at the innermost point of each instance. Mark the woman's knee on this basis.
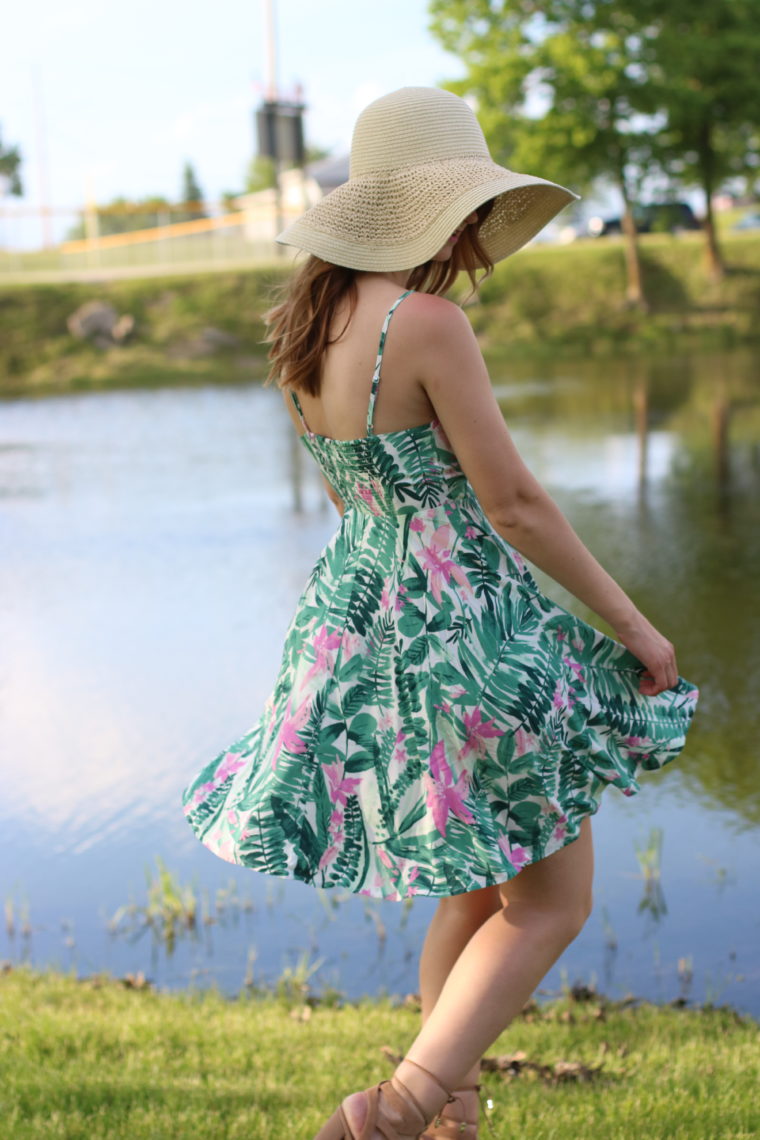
(563, 914)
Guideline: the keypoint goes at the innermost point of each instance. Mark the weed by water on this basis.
(171, 909)
(293, 982)
(649, 856)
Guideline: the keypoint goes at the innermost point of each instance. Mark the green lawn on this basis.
(97, 1059)
(556, 301)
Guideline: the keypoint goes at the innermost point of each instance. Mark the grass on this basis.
(548, 301)
(102, 1058)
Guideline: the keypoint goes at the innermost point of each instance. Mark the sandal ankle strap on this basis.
(450, 1098)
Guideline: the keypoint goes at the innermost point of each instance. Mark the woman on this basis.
(438, 726)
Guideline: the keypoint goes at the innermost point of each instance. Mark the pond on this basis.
(152, 546)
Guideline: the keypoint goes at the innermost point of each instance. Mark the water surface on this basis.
(153, 545)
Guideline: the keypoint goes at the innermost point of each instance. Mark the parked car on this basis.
(657, 217)
(750, 221)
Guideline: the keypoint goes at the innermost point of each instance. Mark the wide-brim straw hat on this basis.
(419, 165)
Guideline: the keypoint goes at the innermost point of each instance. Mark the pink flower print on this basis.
(385, 721)
(231, 763)
(399, 752)
(574, 665)
(560, 831)
(204, 791)
(340, 787)
(632, 741)
(221, 844)
(577, 643)
(564, 700)
(560, 634)
(525, 742)
(413, 874)
(436, 559)
(351, 644)
(399, 602)
(287, 738)
(478, 731)
(384, 858)
(443, 795)
(367, 494)
(323, 644)
(328, 856)
(416, 524)
(629, 792)
(518, 856)
(470, 532)
(444, 707)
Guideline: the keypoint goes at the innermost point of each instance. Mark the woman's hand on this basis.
(654, 651)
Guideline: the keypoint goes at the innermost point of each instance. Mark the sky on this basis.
(107, 99)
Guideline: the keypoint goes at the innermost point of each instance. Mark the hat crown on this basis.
(414, 125)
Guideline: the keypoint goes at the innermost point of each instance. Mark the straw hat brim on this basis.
(400, 218)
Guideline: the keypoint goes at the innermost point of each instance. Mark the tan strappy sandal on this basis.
(454, 1127)
(389, 1112)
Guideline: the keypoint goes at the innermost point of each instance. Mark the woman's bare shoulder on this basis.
(430, 321)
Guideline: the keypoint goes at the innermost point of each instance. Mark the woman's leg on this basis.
(545, 908)
(455, 921)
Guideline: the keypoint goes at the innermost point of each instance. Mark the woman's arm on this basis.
(454, 375)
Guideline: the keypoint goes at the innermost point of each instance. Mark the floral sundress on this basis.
(437, 723)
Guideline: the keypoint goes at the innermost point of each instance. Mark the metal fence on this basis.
(237, 239)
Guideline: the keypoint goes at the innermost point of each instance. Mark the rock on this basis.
(99, 323)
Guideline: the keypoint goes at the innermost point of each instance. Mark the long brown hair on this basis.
(298, 326)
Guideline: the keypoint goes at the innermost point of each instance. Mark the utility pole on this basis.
(273, 100)
(47, 236)
(271, 37)
(279, 123)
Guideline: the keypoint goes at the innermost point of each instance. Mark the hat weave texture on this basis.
(419, 165)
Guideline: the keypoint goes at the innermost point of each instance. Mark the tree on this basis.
(192, 196)
(632, 85)
(260, 175)
(10, 161)
(121, 216)
(557, 94)
(701, 59)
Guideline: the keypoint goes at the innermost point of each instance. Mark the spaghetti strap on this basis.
(379, 361)
(297, 403)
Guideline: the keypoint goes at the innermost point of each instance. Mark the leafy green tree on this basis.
(121, 215)
(192, 197)
(702, 60)
(10, 161)
(556, 94)
(627, 85)
(261, 175)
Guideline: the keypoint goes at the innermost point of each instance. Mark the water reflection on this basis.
(153, 545)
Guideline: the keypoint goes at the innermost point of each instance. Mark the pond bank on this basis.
(550, 301)
(103, 1058)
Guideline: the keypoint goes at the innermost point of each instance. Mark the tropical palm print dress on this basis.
(437, 723)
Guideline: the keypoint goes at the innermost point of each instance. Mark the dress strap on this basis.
(379, 361)
(297, 403)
